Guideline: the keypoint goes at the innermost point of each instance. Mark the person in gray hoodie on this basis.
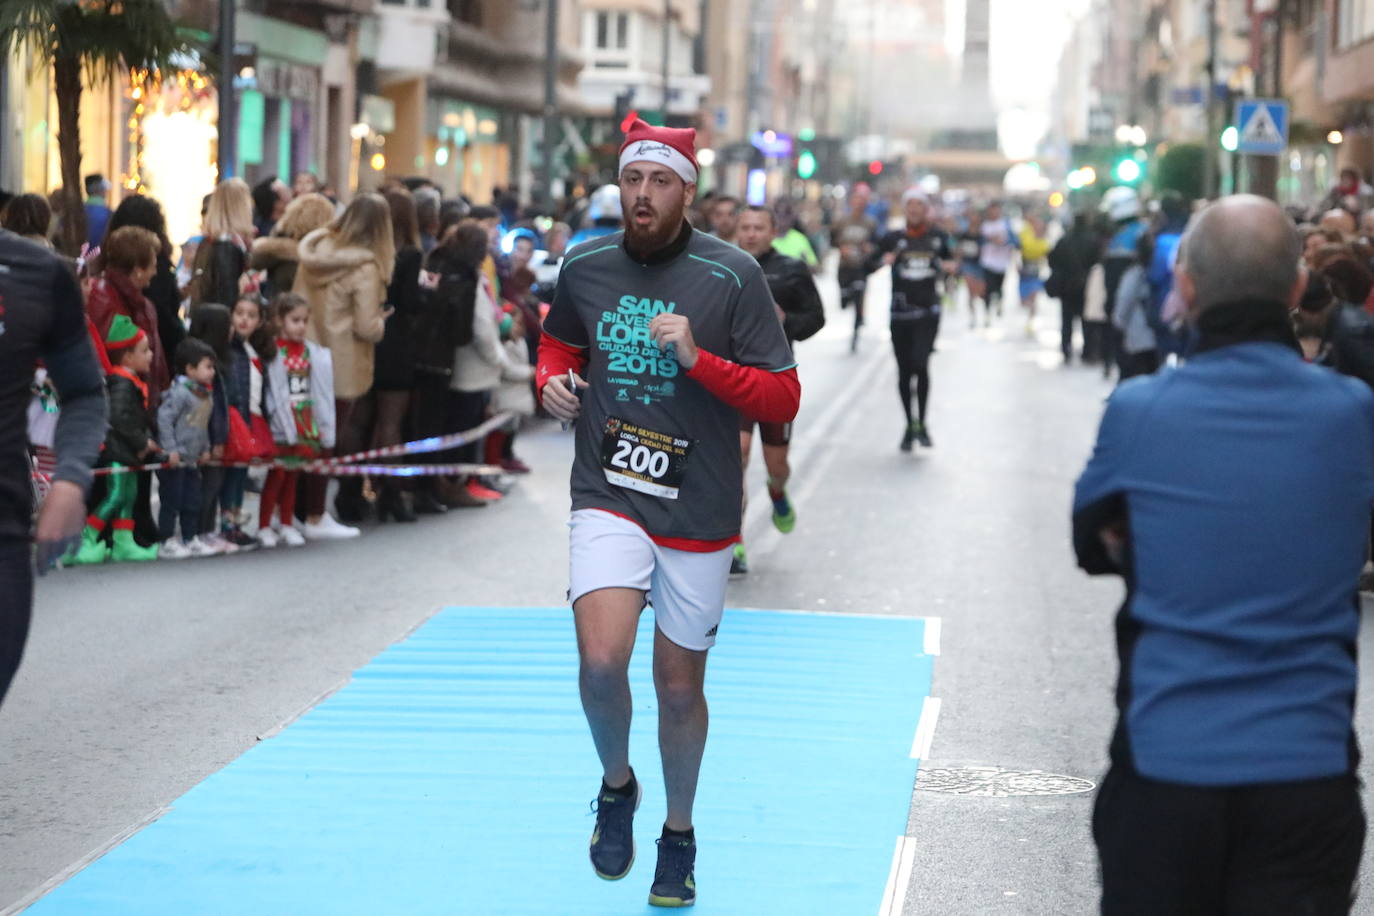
(1131, 315)
(183, 424)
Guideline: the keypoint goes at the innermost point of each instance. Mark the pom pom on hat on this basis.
(123, 334)
(674, 147)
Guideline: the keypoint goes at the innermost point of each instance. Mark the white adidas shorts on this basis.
(686, 589)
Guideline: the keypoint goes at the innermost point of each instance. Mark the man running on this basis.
(999, 250)
(855, 237)
(917, 254)
(803, 314)
(41, 317)
(970, 266)
(668, 335)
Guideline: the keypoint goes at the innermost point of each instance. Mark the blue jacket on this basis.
(1245, 479)
(1161, 276)
(97, 221)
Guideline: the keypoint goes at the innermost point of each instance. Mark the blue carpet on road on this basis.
(452, 775)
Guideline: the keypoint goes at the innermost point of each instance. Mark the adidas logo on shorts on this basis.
(712, 632)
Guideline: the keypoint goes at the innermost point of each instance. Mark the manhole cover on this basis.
(996, 782)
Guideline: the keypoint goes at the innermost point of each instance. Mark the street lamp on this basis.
(1133, 134)
(1335, 138)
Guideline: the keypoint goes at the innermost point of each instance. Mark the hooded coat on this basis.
(345, 289)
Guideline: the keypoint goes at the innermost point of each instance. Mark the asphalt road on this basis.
(141, 681)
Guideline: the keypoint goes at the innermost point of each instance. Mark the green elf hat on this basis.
(123, 334)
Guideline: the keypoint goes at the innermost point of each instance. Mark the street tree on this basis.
(1181, 169)
(103, 38)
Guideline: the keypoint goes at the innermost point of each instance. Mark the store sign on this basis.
(773, 144)
(288, 81)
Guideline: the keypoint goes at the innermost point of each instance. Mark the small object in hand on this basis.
(572, 386)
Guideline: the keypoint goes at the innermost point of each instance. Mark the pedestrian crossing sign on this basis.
(1262, 126)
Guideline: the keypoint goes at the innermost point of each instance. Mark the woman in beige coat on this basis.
(344, 271)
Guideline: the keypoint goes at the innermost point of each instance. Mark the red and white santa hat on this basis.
(674, 147)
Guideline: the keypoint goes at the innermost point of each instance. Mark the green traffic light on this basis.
(806, 164)
(1127, 171)
(806, 135)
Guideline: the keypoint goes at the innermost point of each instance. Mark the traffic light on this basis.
(1129, 167)
(875, 167)
(1127, 171)
(806, 165)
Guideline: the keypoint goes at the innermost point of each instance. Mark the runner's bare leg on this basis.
(606, 623)
(682, 724)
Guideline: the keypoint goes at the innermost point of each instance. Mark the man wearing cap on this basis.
(97, 209)
(658, 337)
(917, 254)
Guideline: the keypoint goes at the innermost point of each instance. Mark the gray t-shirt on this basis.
(652, 444)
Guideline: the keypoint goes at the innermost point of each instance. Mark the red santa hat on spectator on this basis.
(674, 147)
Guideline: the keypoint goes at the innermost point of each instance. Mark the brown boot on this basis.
(455, 495)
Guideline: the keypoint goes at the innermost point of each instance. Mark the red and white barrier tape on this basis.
(348, 465)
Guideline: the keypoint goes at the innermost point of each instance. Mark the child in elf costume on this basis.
(301, 384)
(127, 444)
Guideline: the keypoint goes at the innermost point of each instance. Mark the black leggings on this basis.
(465, 410)
(16, 607)
(912, 344)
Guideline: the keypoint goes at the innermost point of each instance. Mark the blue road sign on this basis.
(1263, 126)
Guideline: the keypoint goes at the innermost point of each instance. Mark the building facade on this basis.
(465, 81)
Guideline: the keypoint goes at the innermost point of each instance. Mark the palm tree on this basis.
(102, 37)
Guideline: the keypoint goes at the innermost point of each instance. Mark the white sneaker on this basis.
(268, 538)
(173, 549)
(329, 529)
(292, 537)
(199, 547)
(216, 544)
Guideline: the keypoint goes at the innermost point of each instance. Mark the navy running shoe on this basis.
(674, 880)
(613, 840)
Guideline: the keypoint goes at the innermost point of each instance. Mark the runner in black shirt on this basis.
(917, 254)
(41, 317)
(970, 252)
(855, 236)
(802, 313)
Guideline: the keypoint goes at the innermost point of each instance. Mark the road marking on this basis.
(925, 728)
(898, 877)
(931, 641)
(846, 614)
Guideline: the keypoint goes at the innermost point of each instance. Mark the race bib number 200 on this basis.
(643, 459)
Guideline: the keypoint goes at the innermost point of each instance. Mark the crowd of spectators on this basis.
(293, 328)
